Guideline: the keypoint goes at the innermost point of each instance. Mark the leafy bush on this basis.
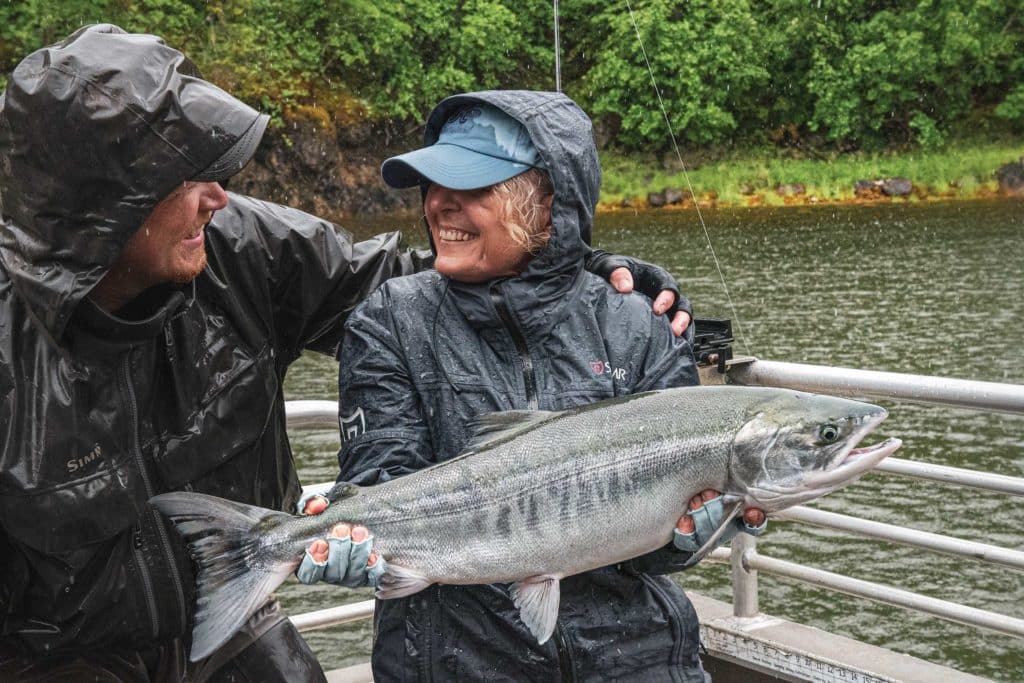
(856, 73)
(703, 56)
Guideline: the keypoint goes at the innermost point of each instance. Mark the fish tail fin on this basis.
(221, 540)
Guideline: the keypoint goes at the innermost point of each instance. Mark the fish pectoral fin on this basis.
(537, 599)
(398, 582)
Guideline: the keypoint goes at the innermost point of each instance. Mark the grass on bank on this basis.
(959, 171)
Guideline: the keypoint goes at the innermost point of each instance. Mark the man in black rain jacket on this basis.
(146, 324)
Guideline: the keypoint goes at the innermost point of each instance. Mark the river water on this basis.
(932, 289)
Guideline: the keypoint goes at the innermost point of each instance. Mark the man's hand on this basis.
(622, 280)
(626, 273)
(344, 558)
(696, 527)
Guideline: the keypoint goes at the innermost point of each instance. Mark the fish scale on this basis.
(539, 496)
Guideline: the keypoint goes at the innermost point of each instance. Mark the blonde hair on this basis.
(521, 208)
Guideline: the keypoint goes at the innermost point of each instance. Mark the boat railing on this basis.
(743, 556)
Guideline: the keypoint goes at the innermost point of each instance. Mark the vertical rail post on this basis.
(558, 55)
(744, 580)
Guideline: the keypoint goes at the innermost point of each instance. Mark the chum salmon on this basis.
(538, 496)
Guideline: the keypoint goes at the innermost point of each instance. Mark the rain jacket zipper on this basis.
(678, 637)
(529, 375)
(137, 537)
(566, 663)
(565, 659)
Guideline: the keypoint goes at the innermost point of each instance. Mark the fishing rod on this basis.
(558, 54)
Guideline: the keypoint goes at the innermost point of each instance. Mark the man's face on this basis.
(471, 243)
(170, 246)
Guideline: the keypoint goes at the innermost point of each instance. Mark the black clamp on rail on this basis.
(712, 341)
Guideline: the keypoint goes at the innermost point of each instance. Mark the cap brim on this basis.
(449, 165)
(237, 156)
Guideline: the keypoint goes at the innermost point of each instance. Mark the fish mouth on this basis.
(857, 462)
(851, 462)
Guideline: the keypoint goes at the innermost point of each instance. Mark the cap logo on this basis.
(464, 116)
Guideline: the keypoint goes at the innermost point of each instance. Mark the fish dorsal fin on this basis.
(537, 599)
(493, 428)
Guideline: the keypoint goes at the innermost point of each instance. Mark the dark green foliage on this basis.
(854, 73)
(912, 71)
(705, 58)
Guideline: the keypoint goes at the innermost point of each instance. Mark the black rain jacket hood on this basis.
(90, 148)
(182, 389)
(426, 356)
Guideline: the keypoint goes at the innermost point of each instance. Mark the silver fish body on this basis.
(539, 496)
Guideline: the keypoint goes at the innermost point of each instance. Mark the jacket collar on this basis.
(140, 321)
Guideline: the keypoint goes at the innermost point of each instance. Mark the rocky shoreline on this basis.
(1010, 178)
(334, 173)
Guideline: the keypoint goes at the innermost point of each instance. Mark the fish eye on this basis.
(828, 433)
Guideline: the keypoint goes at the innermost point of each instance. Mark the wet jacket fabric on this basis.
(424, 356)
(182, 389)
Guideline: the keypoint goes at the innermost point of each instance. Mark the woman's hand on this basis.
(345, 558)
(695, 528)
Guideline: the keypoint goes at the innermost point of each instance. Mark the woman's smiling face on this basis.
(471, 243)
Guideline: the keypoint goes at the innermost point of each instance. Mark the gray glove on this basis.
(345, 565)
(346, 560)
(706, 519)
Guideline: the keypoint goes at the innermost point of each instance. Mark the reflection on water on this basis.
(935, 289)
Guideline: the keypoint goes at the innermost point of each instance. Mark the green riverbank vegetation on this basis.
(766, 177)
(932, 90)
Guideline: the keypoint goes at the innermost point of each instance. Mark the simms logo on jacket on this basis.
(353, 425)
(76, 464)
(601, 367)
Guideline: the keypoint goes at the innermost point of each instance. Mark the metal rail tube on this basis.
(888, 595)
(963, 393)
(912, 537)
(311, 414)
(999, 483)
(333, 616)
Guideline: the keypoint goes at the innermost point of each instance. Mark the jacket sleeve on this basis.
(309, 271)
(668, 363)
(383, 431)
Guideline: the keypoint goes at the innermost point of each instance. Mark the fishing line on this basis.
(689, 185)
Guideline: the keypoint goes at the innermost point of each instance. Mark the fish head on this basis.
(795, 447)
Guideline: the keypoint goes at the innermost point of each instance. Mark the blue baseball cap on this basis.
(479, 145)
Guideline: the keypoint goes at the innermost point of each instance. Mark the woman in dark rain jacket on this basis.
(177, 387)
(426, 354)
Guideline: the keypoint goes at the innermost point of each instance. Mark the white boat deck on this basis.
(767, 648)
